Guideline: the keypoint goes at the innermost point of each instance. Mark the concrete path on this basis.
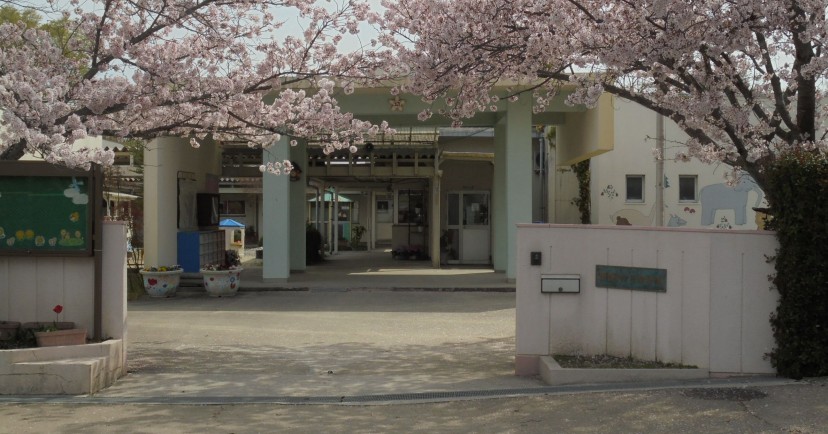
(378, 270)
(320, 343)
(229, 365)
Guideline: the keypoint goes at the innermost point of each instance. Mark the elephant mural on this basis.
(717, 197)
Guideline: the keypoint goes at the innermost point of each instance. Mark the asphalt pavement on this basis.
(343, 357)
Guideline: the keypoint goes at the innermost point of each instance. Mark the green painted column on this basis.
(276, 216)
(298, 208)
(512, 189)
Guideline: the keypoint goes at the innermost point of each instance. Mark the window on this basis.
(687, 188)
(385, 209)
(410, 207)
(232, 207)
(122, 159)
(635, 188)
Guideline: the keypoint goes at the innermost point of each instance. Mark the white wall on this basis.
(714, 313)
(635, 138)
(30, 287)
(566, 189)
(163, 159)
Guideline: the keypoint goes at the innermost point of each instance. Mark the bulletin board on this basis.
(46, 209)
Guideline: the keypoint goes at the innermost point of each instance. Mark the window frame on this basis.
(695, 179)
(627, 189)
(228, 209)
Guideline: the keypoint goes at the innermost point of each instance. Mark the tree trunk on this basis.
(14, 152)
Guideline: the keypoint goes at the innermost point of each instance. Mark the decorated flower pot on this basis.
(161, 283)
(222, 283)
(61, 337)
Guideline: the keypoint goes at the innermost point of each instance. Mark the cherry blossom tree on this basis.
(192, 68)
(742, 78)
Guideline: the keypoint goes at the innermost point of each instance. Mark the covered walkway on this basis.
(376, 269)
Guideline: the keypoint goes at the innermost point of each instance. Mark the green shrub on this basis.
(583, 201)
(798, 184)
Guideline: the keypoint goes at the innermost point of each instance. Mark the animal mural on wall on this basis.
(718, 197)
(676, 221)
(630, 217)
(633, 217)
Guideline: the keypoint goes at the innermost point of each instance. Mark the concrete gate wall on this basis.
(714, 313)
(30, 287)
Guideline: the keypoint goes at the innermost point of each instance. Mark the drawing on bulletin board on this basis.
(45, 214)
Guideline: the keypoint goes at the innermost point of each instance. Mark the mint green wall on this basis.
(298, 209)
(276, 220)
(512, 198)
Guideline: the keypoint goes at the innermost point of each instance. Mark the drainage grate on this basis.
(725, 393)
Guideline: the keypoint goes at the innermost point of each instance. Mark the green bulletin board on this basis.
(49, 214)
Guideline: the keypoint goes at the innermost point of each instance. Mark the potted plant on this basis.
(356, 236)
(161, 281)
(223, 280)
(54, 335)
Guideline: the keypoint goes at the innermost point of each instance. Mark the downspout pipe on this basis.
(336, 221)
(659, 200)
(97, 176)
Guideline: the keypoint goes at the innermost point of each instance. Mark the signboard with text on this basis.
(633, 278)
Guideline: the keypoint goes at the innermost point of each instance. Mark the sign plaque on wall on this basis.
(633, 278)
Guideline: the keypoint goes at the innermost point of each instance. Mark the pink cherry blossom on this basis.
(744, 79)
(189, 68)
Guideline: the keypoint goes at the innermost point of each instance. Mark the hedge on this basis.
(797, 187)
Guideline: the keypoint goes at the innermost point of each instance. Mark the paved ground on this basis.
(380, 361)
(378, 270)
(320, 343)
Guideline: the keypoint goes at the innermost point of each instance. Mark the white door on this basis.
(383, 218)
(468, 231)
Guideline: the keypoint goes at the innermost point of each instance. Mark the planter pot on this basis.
(222, 283)
(8, 330)
(61, 337)
(161, 284)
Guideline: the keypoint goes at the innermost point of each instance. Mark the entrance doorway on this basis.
(468, 231)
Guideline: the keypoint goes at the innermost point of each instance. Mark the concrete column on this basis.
(276, 216)
(161, 165)
(373, 211)
(114, 282)
(435, 230)
(511, 198)
(298, 209)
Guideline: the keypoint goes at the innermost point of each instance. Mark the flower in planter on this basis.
(220, 267)
(231, 262)
(57, 309)
(163, 268)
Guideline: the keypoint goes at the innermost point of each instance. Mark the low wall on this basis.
(30, 287)
(714, 313)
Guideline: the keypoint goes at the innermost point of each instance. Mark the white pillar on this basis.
(512, 181)
(276, 216)
(113, 320)
(161, 165)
